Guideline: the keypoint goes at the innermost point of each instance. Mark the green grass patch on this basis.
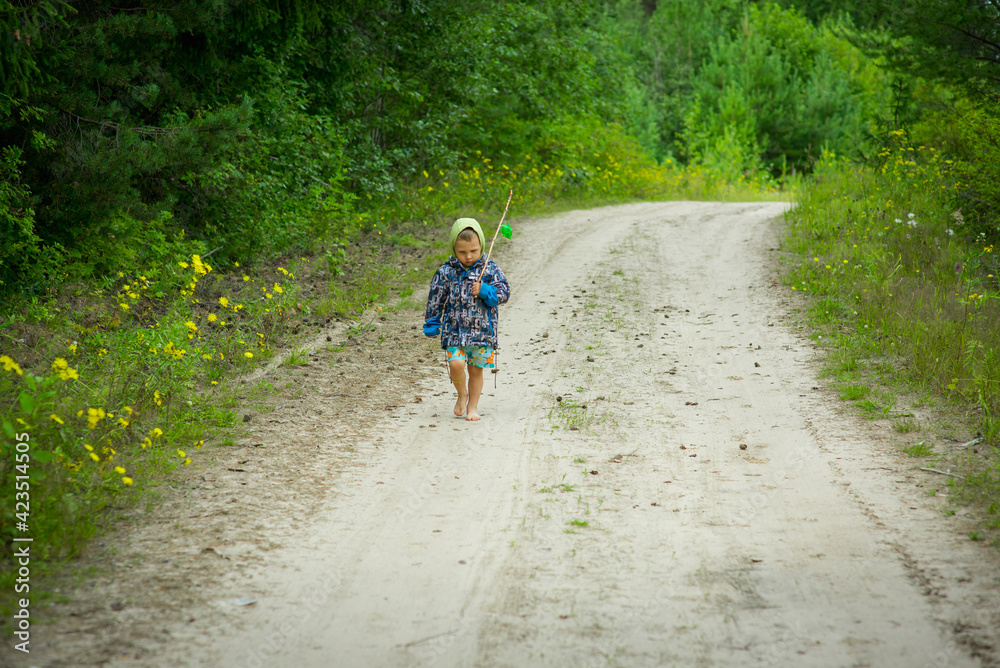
(853, 392)
(905, 296)
(296, 357)
(905, 425)
(920, 449)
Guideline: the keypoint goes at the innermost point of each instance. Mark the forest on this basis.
(169, 170)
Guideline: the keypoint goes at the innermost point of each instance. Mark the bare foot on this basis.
(473, 415)
(463, 400)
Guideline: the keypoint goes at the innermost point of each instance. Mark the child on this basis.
(463, 311)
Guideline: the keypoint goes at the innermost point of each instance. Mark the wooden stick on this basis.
(942, 472)
(493, 241)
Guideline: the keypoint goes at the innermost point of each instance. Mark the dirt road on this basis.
(659, 479)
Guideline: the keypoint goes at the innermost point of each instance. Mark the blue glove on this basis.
(488, 294)
(432, 327)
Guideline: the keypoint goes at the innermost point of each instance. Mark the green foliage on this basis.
(24, 27)
(917, 294)
(123, 147)
(17, 219)
(282, 185)
(978, 172)
(742, 87)
(953, 41)
(666, 47)
(779, 90)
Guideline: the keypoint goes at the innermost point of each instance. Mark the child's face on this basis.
(468, 252)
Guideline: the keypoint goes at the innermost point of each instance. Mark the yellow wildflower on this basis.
(223, 301)
(156, 433)
(127, 480)
(10, 365)
(212, 317)
(56, 418)
(120, 470)
(199, 268)
(94, 415)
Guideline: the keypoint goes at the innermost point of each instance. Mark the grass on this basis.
(853, 392)
(561, 487)
(572, 414)
(906, 300)
(920, 449)
(297, 357)
(905, 425)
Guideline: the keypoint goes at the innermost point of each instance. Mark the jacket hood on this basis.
(463, 223)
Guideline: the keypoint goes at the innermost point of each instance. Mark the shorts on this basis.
(481, 356)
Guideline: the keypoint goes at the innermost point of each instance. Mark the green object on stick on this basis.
(504, 227)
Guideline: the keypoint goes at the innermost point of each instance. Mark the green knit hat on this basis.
(463, 223)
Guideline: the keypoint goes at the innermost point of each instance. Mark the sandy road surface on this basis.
(605, 511)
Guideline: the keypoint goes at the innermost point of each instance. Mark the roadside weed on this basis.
(920, 449)
(296, 357)
(853, 392)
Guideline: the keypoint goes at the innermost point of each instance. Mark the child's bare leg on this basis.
(457, 369)
(475, 390)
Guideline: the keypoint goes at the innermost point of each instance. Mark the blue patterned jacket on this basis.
(466, 320)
